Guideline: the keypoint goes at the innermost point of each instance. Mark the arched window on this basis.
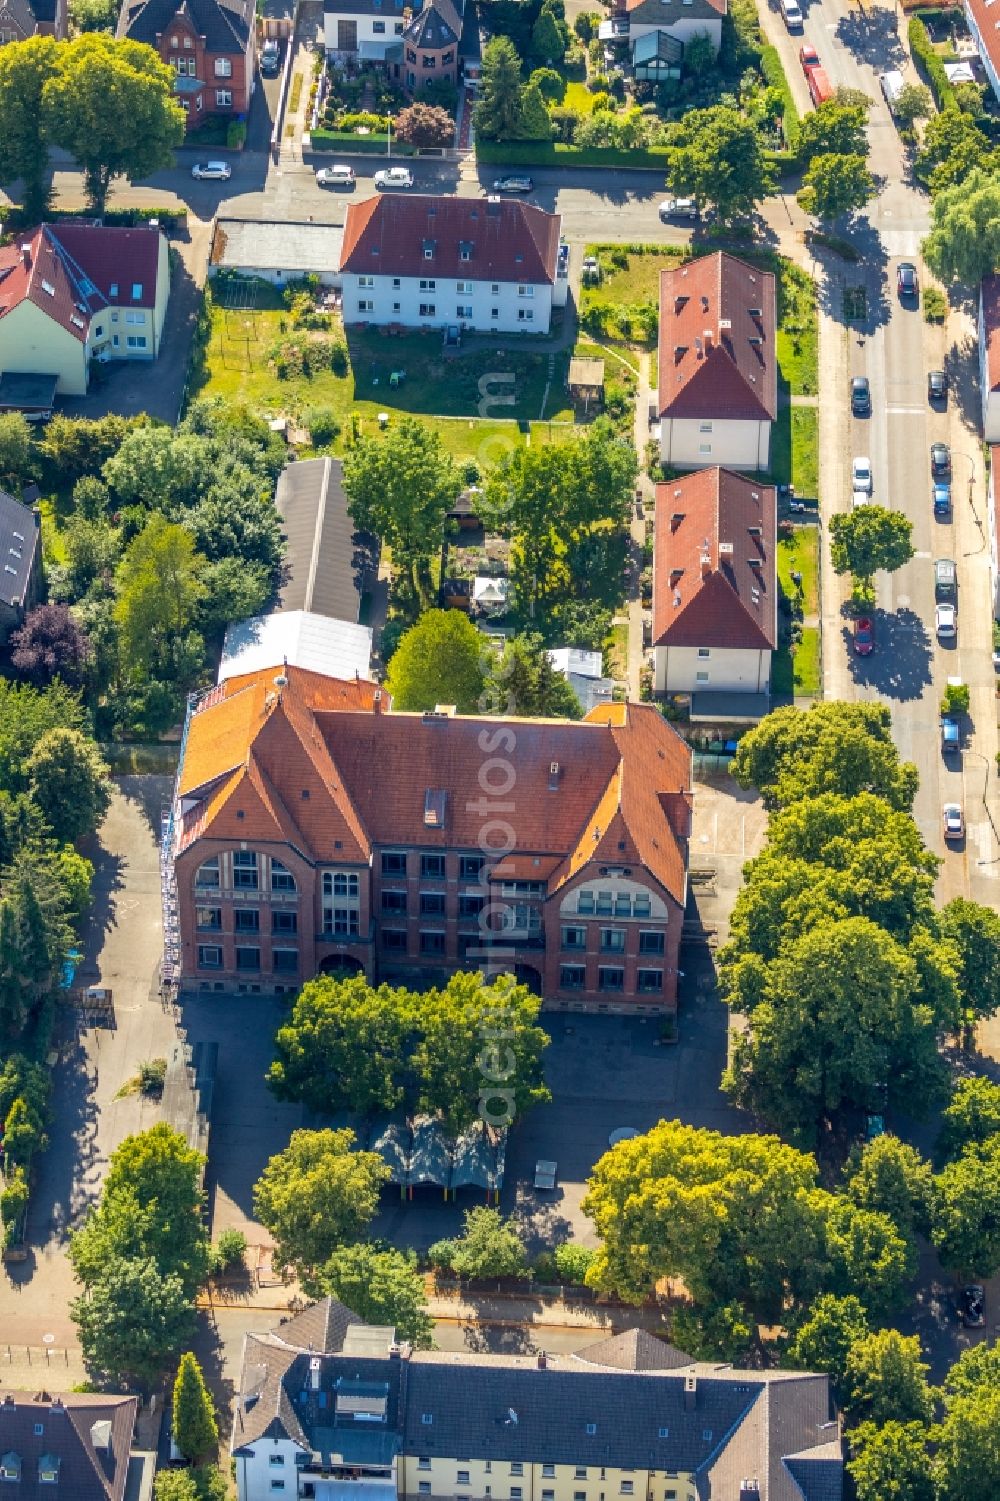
(281, 877)
(207, 878)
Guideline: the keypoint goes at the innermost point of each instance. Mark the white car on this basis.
(337, 176)
(678, 208)
(953, 821)
(860, 498)
(217, 171)
(861, 475)
(394, 177)
(944, 622)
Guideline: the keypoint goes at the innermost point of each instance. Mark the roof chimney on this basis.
(706, 564)
(690, 1392)
(543, 1360)
(315, 1365)
(26, 254)
(707, 336)
(100, 1435)
(377, 701)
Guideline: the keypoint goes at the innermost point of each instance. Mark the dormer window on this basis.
(48, 1469)
(10, 1466)
(137, 291)
(113, 289)
(429, 250)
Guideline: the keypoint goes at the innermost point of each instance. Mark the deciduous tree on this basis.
(15, 438)
(716, 156)
(25, 68)
(971, 1117)
(835, 128)
(133, 1320)
(965, 1215)
(68, 781)
(887, 1379)
(159, 588)
(440, 660)
(891, 1176)
(824, 1339)
(890, 1462)
(489, 1247)
(869, 540)
(913, 103)
(316, 1195)
(382, 1286)
(837, 185)
(953, 148)
(111, 105)
(50, 644)
(343, 1046)
(967, 1462)
(975, 932)
(425, 125)
(964, 242)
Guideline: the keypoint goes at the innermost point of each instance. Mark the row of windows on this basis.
(429, 310)
(433, 866)
(610, 904)
(612, 940)
(378, 28)
(223, 65)
(283, 961)
(246, 874)
(610, 977)
(626, 1488)
(432, 943)
(246, 920)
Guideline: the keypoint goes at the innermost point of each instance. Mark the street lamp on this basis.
(960, 453)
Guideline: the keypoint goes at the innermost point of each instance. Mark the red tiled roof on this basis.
(991, 325)
(717, 356)
(986, 22)
(256, 749)
(703, 593)
(73, 271)
(509, 240)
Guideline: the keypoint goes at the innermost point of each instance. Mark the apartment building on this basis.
(313, 830)
(331, 1409)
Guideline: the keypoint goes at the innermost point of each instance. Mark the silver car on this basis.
(211, 171)
(394, 177)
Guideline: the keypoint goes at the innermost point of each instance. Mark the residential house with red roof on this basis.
(20, 19)
(75, 292)
(993, 512)
(426, 42)
(211, 46)
(715, 586)
(431, 261)
(718, 371)
(984, 25)
(989, 356)
(315, 830)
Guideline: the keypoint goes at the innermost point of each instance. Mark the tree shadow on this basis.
(872, 36)
(499, 1339)
(961, 366)
(900, 666)
(67, 1177)
(150, 792)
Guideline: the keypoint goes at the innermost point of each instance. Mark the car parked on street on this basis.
(942, 502)
(270, 58)
(973, 1306)
(861, 475)
(951, 735)
(863, 636)
(678, 208)
(211, 171)
(337, 176)
(937, 387)
(906, 279)
(808, 57)
(393, 177)
(940, 461)
(945, 622)
(953, 821)
(861, 396)
(513, 185)
(945, 580)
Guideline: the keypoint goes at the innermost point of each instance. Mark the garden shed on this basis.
(586, 381)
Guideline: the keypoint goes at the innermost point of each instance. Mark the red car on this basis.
(808, 57)
(864, 637)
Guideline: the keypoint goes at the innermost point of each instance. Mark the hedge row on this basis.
(348, 144)
(11, 216)
(558, 154)
(931, 65)
(770, 62)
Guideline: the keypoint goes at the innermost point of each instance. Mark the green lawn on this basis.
(799, 553)
(443, 392)
(797, 675)
(579, 98)
(639, 277)
(616, 652)
(795, 450)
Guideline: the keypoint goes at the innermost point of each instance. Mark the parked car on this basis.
(394, 177)
(906, 279)
(808, 57)
(861, 475)
(792, 15)
(951, 735)
(945, 623)
(973, 1306)
(864, 636)
(545, 1173)
(940, 461)
(942, 501)
(860, 498)
(513, 185)
(953, 821)
(678, 208)
(945, 579)
(861, 396)
(211, 171)
(337, 176)
(270, 58)
(937, 386)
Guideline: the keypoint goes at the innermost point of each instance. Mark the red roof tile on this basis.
(74, 271)
(987, 24)
(508, 240)
(991, 326)
(716, 346)
(715, 562)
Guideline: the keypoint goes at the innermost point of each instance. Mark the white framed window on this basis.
(396, 283)
(174, 42)
(137, 291)
(423, 1463)
(245, 870)
(464, 310)
(428, 310)
(701, 677)
(207, 877)
(495, 289)
(135, 318)
(428, 284)
(365, 305)
(494, 312)
(525, 315)
(223, 67)
(281, 877)
(136, 341)
(704, 651)
(223, 98)
(525, 291)
(424, 1487)
(209, 956)
(548, 1470)
(464, 288)
(199, 104)
(704, 448)
(366, 281)
(188, 43)
(705, 427)
(396, 307)
(276, 1459)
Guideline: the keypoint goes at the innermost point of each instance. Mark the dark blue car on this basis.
(942, 500)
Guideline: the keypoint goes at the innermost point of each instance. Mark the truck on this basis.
(819, 85)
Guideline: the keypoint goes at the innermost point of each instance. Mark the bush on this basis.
(236, 134)
(935, 305)
(151, 1076)
(425, 125)
(931, 65)
(956, 699)
(363, 120)
(774, 73)
(323, 426)
(229, 1251)
(13, 1203)
(573, 1262)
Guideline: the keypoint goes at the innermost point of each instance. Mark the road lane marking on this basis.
(905, 411)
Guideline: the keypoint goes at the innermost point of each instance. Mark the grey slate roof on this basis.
(225, 24)
(438, 24)
(85, 1473)
(326, 559)
(626, 1412)
(19, 541)
(365, 7)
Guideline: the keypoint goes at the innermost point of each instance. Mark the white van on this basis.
(792, 14)
(892, 87)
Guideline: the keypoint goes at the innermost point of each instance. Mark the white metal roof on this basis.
(316, 643)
